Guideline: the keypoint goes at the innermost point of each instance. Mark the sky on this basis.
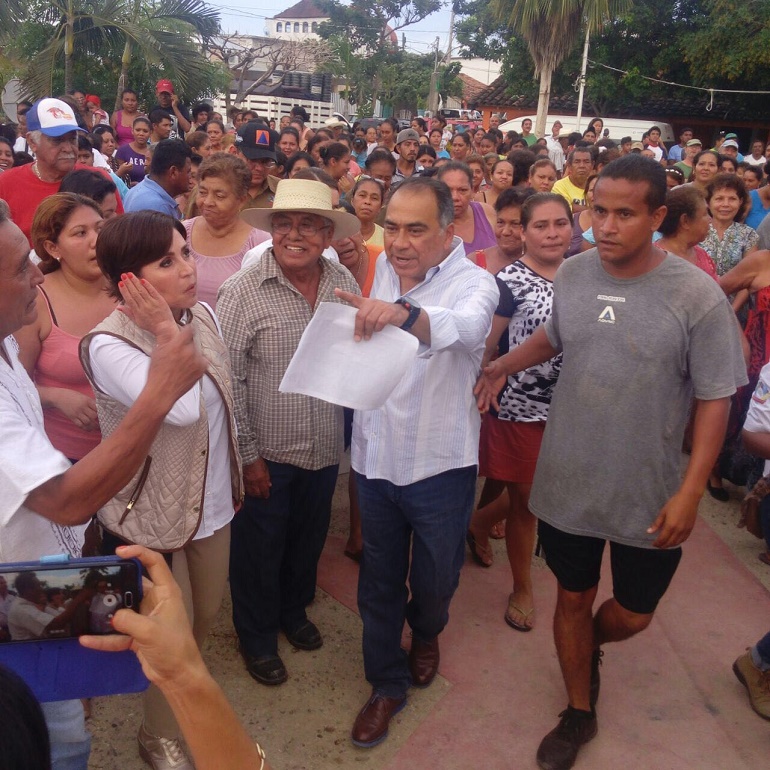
(248, 17)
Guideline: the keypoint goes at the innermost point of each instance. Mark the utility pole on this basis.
(583, 69)
(448, 57)
(433, 92)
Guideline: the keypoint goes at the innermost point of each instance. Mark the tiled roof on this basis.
(471, 87)
(674, 104)
(304, 9)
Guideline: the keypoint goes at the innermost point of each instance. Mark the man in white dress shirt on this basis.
(415, 458)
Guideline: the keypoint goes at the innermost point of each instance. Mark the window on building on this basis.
(279, 27)
(296, 26)
(305, 27)
(314, 26)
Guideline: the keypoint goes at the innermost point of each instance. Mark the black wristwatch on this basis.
(414, 312)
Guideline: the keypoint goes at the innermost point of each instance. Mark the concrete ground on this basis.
(669, 699)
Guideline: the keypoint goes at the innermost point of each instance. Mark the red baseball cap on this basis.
(164, 85)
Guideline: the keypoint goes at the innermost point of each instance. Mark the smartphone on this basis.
(59, 598)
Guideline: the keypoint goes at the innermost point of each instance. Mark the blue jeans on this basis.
(762, 649)
(431, 516)
(70, 741)
(274, 551)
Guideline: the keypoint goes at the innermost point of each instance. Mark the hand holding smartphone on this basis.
(49, 600)
(45, 606)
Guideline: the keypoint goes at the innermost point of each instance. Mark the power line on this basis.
(710, 91)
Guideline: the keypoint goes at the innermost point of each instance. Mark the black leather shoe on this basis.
(559, 749)
(306, 637)
(718, 493)
(371, 725)
(266, 669)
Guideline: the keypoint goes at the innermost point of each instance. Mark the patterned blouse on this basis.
(527, 395)
(738, 240)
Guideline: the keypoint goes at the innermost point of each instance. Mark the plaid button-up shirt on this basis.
(263, 316)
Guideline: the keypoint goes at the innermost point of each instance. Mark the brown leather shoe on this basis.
(423, 661)
(371, 725)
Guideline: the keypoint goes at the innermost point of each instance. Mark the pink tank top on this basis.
(124, 134)
(58, 366)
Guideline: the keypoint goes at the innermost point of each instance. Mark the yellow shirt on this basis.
(573, 194)
(377, 237)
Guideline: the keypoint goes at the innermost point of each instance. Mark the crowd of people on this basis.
(157, 271)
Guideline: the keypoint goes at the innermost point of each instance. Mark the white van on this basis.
(618, 127)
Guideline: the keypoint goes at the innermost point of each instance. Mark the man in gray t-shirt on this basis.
(642, 332)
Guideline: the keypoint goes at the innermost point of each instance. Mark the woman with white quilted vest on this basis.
(182, 500)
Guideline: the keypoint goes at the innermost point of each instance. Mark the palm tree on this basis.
(161, 32)
(551, 29)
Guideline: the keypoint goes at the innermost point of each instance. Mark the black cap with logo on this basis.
(255, 140)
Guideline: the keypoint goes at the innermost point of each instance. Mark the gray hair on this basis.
(34, 136)
(440, 192)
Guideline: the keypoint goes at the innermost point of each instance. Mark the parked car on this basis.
(469, 119)
(618, 127)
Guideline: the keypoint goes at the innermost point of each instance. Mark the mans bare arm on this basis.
(74, 496)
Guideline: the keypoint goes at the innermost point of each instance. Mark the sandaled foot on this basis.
(517, 617)
(498, 530)
(481, 554)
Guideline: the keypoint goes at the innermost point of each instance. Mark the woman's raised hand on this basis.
(146, 308)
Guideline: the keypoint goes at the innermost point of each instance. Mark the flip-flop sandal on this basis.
(477, 550)
(497, 532)
(515, 608)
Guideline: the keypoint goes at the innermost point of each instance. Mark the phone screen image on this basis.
(56, 602)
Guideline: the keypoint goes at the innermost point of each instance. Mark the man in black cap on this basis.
(255, 143)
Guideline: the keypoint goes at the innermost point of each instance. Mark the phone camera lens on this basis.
(128, 599)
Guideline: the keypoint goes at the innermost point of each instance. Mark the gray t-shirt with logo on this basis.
(635, 353)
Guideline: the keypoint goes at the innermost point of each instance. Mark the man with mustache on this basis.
(52, 137)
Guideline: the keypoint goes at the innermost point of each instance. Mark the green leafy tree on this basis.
(73, 36)
(551, 29)
(365, 30)
(406, 80)
(731, 48)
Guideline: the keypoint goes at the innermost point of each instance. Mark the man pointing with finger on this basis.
(642, 332)
(415, 458)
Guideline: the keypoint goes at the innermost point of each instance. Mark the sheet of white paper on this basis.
(329, 364)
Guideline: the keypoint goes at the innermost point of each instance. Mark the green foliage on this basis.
(479, 32)
(373, 66)
(708, 43)
(731, 48)
(406, 80)
(163, 37)
(365, 23)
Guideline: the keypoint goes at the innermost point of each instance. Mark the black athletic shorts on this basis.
(640, 576)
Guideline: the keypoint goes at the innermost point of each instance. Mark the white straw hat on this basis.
(308, 197)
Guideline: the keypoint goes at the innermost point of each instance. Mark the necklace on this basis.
(36, 171)
(366, 238)
(360, 260)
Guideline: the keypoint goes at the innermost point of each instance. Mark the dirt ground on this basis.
(305, 724)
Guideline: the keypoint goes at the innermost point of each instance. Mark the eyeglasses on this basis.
(306, 229)
(264, 162)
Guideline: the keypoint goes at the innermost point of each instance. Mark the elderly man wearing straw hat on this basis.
(290, 443)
